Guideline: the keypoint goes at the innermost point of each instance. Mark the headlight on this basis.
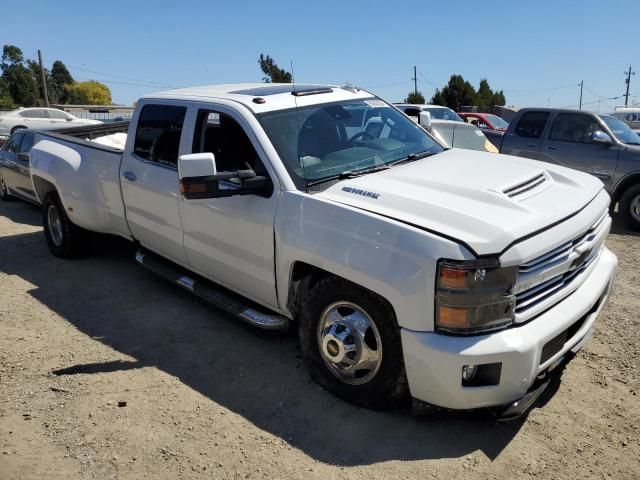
(474, 296)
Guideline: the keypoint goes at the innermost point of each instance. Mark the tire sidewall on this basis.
(625, 207)
(65, 249)
(388, 385)
(4, 194)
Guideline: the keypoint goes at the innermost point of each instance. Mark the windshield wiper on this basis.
(349, 174)
(412, 157)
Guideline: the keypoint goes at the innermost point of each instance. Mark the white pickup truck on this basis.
(454, 277)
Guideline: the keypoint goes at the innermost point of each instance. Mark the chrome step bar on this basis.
(208, 292)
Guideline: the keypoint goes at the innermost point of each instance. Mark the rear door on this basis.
(525, 138)
(568, 143)
(23, 175)
(149, 179)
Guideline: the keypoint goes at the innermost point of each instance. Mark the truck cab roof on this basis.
(266, 97)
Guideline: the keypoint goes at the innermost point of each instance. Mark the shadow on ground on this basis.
(260, 377)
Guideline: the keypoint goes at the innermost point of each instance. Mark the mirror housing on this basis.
(200, 179)
(601, 138)
(424, 119)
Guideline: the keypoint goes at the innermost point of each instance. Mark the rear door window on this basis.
(531, 124)
(158, 133)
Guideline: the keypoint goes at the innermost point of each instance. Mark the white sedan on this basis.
(40, 119)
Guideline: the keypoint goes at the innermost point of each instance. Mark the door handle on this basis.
(129, 176)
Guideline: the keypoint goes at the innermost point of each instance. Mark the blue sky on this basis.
(536, 51)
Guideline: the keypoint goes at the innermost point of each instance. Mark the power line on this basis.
(148, 82)
(572, 85)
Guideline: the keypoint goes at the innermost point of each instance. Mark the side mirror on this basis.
(601, 138)
(424, 120)
(68, 119)
(200, 179)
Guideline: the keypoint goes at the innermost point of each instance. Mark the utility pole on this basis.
(415, 81)
(44, 81)
(581, 85)
(628, 81)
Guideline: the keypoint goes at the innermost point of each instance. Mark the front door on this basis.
(149, 179)
(569, 143)
(231, 240)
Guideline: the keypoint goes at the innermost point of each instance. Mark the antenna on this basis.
(293, 80)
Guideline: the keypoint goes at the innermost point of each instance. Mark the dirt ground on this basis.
(109, 372)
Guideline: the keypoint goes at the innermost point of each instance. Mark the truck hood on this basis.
(484, 201)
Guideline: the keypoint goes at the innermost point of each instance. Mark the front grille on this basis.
(525, 186)
(558, 270)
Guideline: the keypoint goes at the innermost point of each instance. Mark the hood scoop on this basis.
(528, 187)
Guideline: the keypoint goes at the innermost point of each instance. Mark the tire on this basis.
(64, 239)
(16, 128)
(379, 387)
(5, 196)
(630, 207)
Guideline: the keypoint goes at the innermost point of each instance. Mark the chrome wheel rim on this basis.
(54, 224)
(349, 343)
(635, 208)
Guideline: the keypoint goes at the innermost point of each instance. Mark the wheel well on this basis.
(303, 277)
(43, 187)
(623, 185)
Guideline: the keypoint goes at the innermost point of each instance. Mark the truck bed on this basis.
(85, 174)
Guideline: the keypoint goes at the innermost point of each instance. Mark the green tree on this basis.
(487, 98)
(19, 78)
(415, 98)
(89, 93)
(273, 73)
(61, 80)
(6, 101)
(456, 93)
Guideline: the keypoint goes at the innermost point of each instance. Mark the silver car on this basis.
(41, 119)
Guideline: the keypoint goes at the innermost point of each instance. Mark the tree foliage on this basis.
(21, 83)
(415, 98)
(273, 73)
(459, 92)
(89, 93)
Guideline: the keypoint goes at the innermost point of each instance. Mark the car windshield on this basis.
(621, 130)
(443, 113)
(497, 121)
(327, 140)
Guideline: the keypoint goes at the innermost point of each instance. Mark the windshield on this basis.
(621, 130)
(323, 141)
(443, 113)
(497, 122)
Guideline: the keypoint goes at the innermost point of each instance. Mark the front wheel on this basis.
(351, 341)
(64, 239)
(630, 207)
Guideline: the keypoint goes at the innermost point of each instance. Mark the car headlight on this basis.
(474, 296)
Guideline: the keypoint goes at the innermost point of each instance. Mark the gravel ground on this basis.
(109, 372)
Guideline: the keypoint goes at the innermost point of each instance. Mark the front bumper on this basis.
(434, 361)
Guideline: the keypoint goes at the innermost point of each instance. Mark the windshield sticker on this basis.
(376, 104)
(358, 191)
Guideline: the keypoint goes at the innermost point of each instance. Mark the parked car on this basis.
(629, 115)
(493, 126)
(601, 145)
(445, 124)
(15, 178)
(39, 118)
(452, 276)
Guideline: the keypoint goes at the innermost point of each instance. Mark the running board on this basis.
(208, 292)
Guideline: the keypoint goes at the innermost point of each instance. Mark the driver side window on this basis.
(221, 135)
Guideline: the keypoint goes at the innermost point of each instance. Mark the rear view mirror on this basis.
(200, 179)
(425, 120)
(601, 138)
